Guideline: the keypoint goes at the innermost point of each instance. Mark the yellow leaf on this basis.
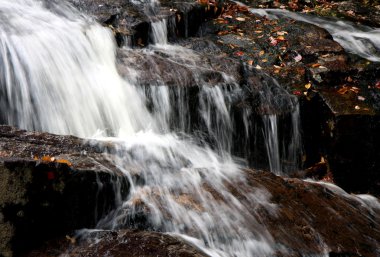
(308, 86)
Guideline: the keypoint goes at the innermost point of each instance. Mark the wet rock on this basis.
(315, 215)
(127, 21)
(362, 12)
(173, 66)
(50, 185)
(131, 21)
(131, 243)
(330, 85)
(45, 198)
(357, 11)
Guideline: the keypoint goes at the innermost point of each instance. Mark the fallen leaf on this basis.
(357, 107)
(280, 38)
(63, 161)
(308, 86)
(250, 62)
(298, 58)
(239, 53)
(297, 92)
(355, 90)
(315, 65)
(261, 53)
(47, 158)
(361, 98)
(240, 19)
(273, 41)
(282, 33)
(50, 175)
(222, 33)
(343, 90)
(71, 239)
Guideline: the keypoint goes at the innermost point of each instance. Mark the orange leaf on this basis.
(343, 90)
(64, 162)
(47, 158)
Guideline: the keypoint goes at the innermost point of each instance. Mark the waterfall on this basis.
(58, 74)
(160, 32)
(272, 144)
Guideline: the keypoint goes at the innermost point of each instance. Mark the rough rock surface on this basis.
(43, 199)
(336, 91)
(124, 243)
(359, 11)
(50, 185)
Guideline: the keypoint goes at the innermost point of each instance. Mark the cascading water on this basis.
(58, 74)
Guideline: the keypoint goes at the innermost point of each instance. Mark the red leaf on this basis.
(239, 53)
(297, 92)
(50, 175)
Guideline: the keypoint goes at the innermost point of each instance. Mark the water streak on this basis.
(357, 39)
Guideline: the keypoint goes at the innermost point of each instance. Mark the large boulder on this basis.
(51, 185)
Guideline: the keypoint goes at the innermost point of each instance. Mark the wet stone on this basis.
(131, 243)
(50, 185)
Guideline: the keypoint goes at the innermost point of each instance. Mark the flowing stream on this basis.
(357, 39)
(58, 74)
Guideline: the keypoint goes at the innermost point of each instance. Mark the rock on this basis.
(311, 214)
(124, 243)
(357, 11)
(131, 22)
(331, 85)
(362, 11)
(50, 185)
(45, 199)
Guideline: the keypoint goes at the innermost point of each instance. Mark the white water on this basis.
(361, 40)
(272, 142)
(58, 75)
